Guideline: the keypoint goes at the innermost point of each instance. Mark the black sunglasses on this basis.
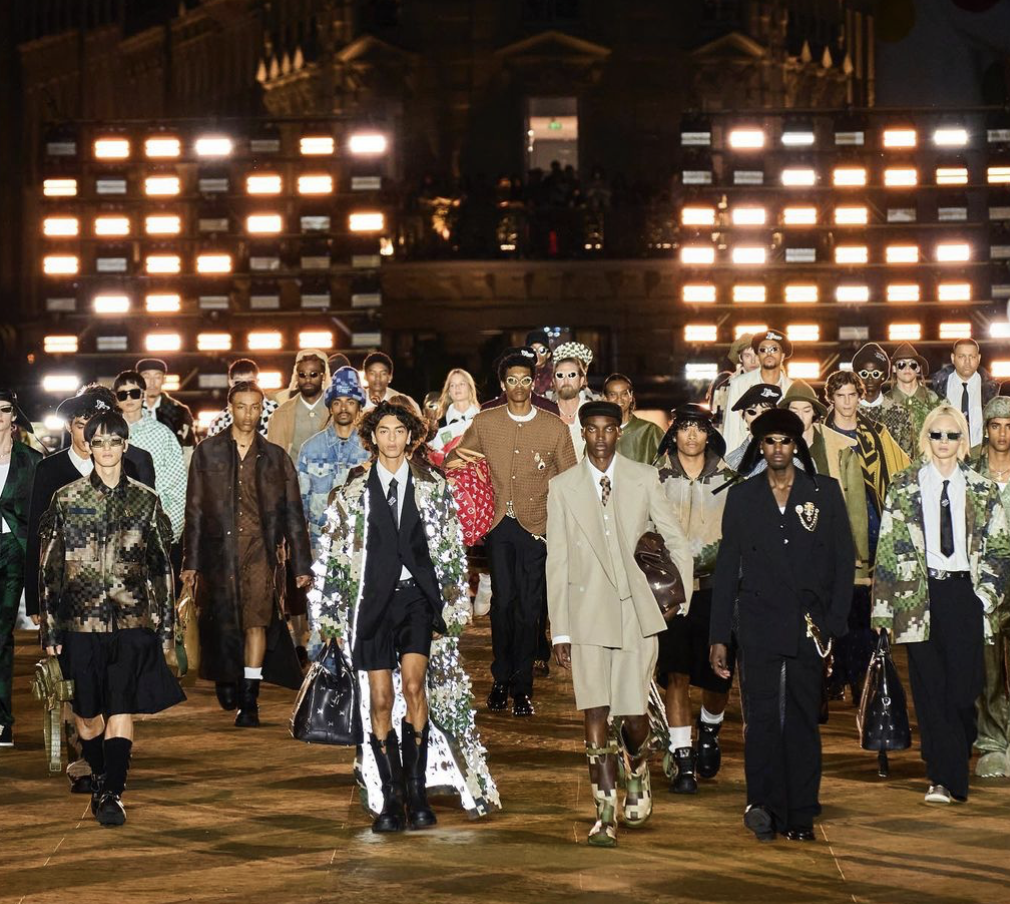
(938, 435)
(906, 365)
(311, 375)
(124, 394)
(6, 409)
(778, 441)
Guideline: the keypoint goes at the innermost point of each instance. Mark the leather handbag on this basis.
(52, 690)
(883, 711)
(327, 709)
(664, 579)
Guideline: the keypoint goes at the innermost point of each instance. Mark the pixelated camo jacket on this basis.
(340, 567)
(105, 560)
(900, 584)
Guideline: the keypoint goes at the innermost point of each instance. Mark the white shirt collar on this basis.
(453, 414)
(314, 405)
(84, 465)
(597, 473)
(401, 474)
(876, 404)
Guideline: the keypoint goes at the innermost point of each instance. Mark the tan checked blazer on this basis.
(522, 457)
(582, 594)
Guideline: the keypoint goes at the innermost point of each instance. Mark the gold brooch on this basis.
(809, 514)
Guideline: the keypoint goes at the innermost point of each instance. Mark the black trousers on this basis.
(518, 589)
(781, 698)
(946, 674)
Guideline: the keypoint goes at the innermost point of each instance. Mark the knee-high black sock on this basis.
(94, 754)
(117, 764)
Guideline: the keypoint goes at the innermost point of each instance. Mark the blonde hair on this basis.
(944, 410)
(445, 401)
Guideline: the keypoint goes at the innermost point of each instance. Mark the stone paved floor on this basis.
(220, 815)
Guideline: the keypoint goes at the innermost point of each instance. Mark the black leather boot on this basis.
(684, 781)
(387, 758)
(227, 695)
(248, 710)
(415, 764)
(709, 754)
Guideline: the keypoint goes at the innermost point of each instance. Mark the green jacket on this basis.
(17, 490)
(640, 440)
(918, 405)
(900, 581)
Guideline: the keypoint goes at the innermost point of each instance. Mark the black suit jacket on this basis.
(388, 550)
(775, 568)
(16, 493)
(52, 474)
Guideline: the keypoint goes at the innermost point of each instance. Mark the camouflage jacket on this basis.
(896, 419)
(918, 405)
(900, 581)
(105, 561)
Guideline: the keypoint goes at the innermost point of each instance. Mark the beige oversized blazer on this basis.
(582, 594)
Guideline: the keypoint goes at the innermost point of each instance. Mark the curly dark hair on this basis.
(842, 378)
(417, 428)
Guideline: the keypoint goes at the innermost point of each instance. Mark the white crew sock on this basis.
(680, 736)
(709, 719)
(254, 674)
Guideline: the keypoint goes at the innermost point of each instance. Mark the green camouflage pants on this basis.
(993, 704)
(12, 570)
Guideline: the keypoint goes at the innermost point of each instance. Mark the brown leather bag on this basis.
(664, 579)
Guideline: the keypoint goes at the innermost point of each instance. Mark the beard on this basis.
(567, 393)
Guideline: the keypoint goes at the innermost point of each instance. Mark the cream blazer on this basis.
(582, 595)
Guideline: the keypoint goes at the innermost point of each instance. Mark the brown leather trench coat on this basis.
(210, 547)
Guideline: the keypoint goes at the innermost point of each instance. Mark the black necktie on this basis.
(965, 407)
(946, 523)
(394, 502)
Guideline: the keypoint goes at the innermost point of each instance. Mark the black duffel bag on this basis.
(327, 709)
(883, 711)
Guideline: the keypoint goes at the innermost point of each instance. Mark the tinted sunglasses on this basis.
(778, 441)
(906, 365)
(124, 394)
(571, 375)
(768, 350)
(107, 442)
(6, 409)
(311, 375)
(871, 374)
(519, 381)
(942, 435)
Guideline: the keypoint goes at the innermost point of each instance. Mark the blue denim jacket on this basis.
(323, 464)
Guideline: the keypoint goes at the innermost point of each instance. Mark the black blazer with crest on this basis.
(775, 567)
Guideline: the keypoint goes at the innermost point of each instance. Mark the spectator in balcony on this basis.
(171, 412)
(244, 370)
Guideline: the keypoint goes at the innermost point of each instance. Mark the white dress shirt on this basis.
(931, 486)
(84, 465)
(596, 474)
(385, 478)
(955, 387)
(5, 470)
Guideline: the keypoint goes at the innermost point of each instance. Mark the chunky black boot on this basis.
(249, 711)
(387, 758)
(709, 754)
(415, 764)
(227, 695)
(110, 810)
(684, 781)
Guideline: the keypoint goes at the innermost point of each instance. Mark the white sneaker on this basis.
(937, 794)
(482, 599)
